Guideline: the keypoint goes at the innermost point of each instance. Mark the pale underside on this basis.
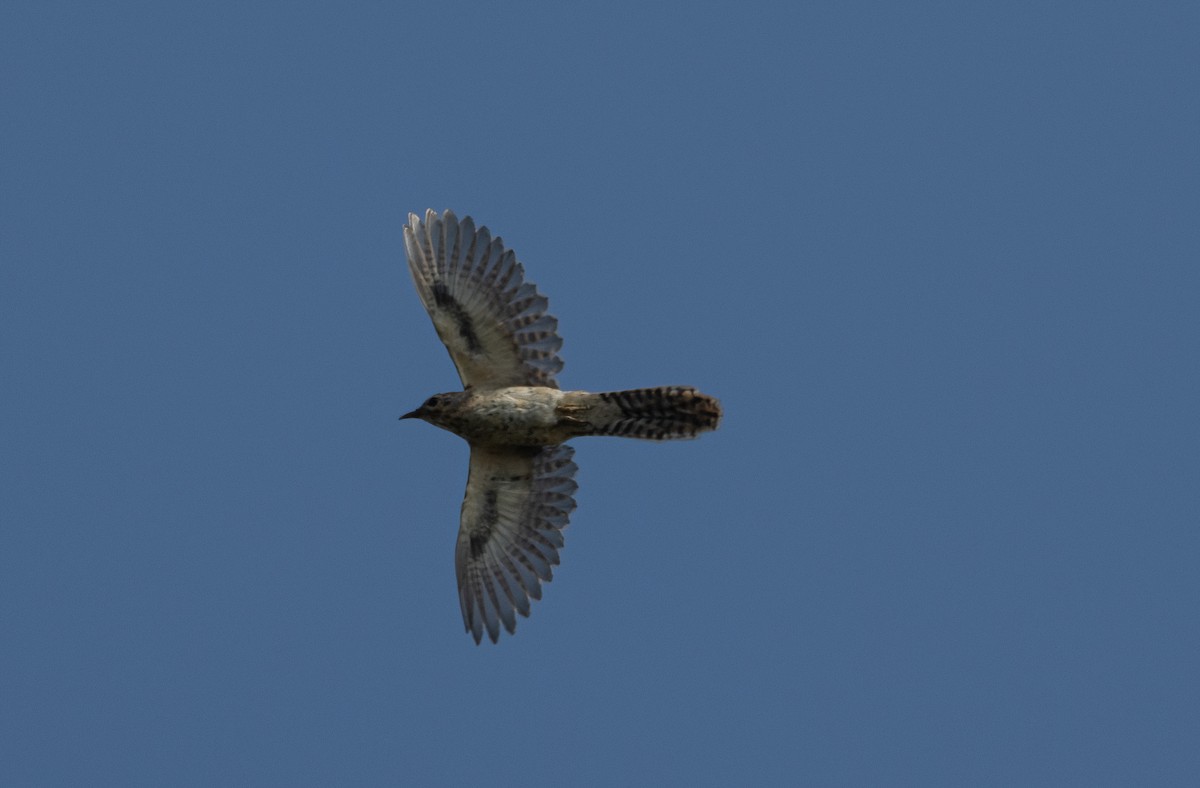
(518, 500)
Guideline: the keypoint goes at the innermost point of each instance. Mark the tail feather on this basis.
(662, 413)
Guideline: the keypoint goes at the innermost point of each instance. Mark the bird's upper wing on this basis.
(493, 323)
(518, 501)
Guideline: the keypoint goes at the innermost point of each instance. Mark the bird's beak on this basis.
(413, 415)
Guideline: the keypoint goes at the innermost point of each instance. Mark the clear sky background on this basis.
(940, 261)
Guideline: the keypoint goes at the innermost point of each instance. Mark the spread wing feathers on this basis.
(493, 322)
(517, 503)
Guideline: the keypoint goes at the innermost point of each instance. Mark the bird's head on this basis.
(438, 409)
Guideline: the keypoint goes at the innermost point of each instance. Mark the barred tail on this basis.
(657, 414)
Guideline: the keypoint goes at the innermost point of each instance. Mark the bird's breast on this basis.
(515, 416)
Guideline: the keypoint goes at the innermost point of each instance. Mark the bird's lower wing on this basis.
(518, 502)
(492, 321)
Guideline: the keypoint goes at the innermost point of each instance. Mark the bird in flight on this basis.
(511, 411)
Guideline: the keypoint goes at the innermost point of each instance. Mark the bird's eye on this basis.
(432, 402)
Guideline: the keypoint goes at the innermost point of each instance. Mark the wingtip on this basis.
(431, 215)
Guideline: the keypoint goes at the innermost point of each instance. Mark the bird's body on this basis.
(516, 419)
(541, 416)
(509, 416)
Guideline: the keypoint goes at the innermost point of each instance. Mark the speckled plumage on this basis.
(505, 346)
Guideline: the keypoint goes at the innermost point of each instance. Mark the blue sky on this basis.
(938, 260)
